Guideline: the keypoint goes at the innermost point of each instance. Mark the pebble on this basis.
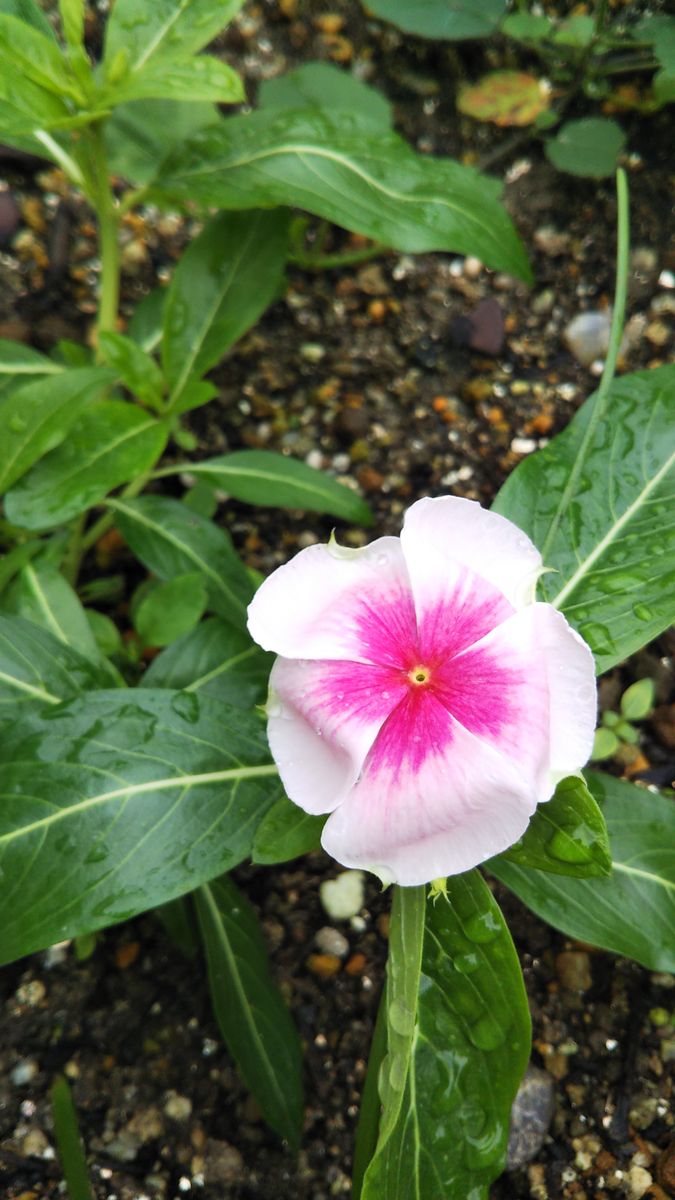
(312, 352)
(177, 1107)
(31, 993)
(521, 445)
(530, 1117)
(587, 336)
(323, 965)
(24, 1072)
(331, 941)
(223, 1164)
(657, 333)
(638, 1180)
(342, 897)
(36, 1144)
(573, 968)
(543, 302)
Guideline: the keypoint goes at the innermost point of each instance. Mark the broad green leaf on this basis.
(137, 369)
(37, 56)
(589, 147)
(632, 912)
(36, 417)
(610, 539)
(451, 19)
(217, 661)
(469, 1042)
(171, 609)
(145, 326)
(263, 477)
(37, 668)
(106, 634)
(251, 1014)
(577, 30)
(139, 134)
(17, 359)
(120, 801)
(110, 444)
(325, 86)
(72, 21)
(195, 394)
(337, 166)
(526, 27)
(192, 79)
(286, 832)
(29, 12)
(170, 539)
(25, 109)
(42, 595)
(223, 283)
(567, 835)
(159, 29)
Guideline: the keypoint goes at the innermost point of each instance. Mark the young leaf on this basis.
(69, 1141)
(324, 86)
(461, 1046)
(41, 594)
(605, 744)
(159, 29)
(222, 285)
(589, 147)
(612, 546)
(567, 835)
(110, 444)
(17, 359)
(37, 56)
(217, 661)
(171, 540)
(439, 19)
(36, 417)
(137, 369)
(286, 832)
(638, 700)
(139, 134)
(611, 913)
(145, 326)
(336, 165)
(29, 12)
(251, 1014)
(72, 21)
(171, 609)
(263, 477)
(37, 668)
(526, 27)
(193, 79)
(120, 801)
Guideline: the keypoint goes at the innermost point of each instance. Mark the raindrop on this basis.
(485, 1033)
(398, 1069)
(642, 612)
(401, 1018)
(567, 846)
(466, 963)
(597, 636)
(96, 854)
(483, 927)
(17, 424)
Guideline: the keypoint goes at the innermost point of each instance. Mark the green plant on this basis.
(616, 729)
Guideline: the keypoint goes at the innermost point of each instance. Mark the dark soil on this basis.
(367, 372)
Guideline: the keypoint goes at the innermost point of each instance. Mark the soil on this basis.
(368, 372)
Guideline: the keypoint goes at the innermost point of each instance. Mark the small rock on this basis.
(638, 1180)
(550, 241)
(543, 302)
(31, 993)
(24, 1072)
(371, 280)
(521, 445)
(356, 964)
(573, 968)
(658, 333)
(312, 352)
(331, 941)
(35, 1144)
(587, 336)
(323, 965)
(530, 1117)
(177, 1107)
(342, 897)
(223, 1164)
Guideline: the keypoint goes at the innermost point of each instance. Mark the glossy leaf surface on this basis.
(605, 520)
(139, 134)
(136, 368)
(92, 831)
(148, 29)
(324, 86)
(41, 594)
(18, 359)
(286, 832)
(337, 166)
(200, 78)
(440, 19)
(469, 1038)
(110, 444)
(222, 285)
(262, 477)
(216, 660)
(37, 56)
(632, 912)
(30, 12)
(170, 609)
(37, 669)
(251, 1014)
(566, 836)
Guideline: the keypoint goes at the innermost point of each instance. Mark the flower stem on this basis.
(108, 215)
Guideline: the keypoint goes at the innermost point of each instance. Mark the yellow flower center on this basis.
(419, 675)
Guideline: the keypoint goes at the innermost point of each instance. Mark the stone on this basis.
(531, 1116)
(587, 336)
(223, 1164)
(342, 897)
(177, 1107)
(638, 1180)
(573, 968)
(331, 941)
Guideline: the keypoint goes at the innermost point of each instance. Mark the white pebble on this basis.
(343, 897)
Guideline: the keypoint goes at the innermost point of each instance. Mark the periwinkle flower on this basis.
(421, 696)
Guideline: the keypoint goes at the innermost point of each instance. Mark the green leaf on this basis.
(191, 79)
(106, 634)
(611, 541)
(337, 166)
(17, 359)
(41, 594)
(459, 1048)
(632, 912)
(37, 56)
(145, 326)
(436, 19)
(221, 286)
(170, 539)
(324, 86)
(577, 31)
(149, 29)
(37, 668)
(120, 801)
(605, 744)
(72, 21)
(139, 134)
(263, 477)
(589, 147)
(567, 835)
(69, 1141)
(171, 609)
(638, 700)
(286, 832)
(251, 1014)
(526, 27)
(26, 108)
(217, 661)
(29, 12)
(137, 369)
(36, 417)
(178, 919)
(110, 444)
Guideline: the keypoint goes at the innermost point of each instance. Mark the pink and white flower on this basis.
(421, 696)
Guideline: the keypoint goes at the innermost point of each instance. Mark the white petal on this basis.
(573, 698)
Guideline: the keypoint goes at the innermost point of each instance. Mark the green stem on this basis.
(73, 555)
(108, 214)
(369, 1112)
(616, 333)
(325, 262)
(69, 1142)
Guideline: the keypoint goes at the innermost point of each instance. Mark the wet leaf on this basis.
(170, 609)
(324, 86)
(217, 661)
(286, 832)
(146, 30)
(589, 147)
(435, 19)
(37, 669)
(41, 594)
(17, 359)
(139, 134)
(566, 836)
(194, 79)
(504, 98)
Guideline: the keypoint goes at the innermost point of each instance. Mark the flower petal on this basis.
(323, 719)
(573, 696)
(333, 603)
(432, 799)
(450, 531)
